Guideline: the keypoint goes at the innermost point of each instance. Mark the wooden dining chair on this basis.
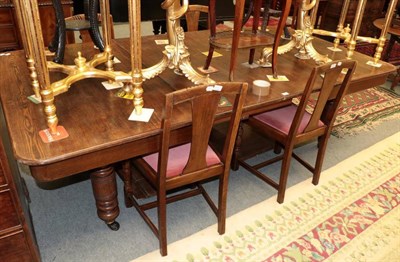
(194, 161)
(270, 8)
(237, 38)
(89, 22)
(193, 15)
(81, 23)
(292, 125)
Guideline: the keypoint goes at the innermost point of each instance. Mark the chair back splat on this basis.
(185, 162)
(293, 125)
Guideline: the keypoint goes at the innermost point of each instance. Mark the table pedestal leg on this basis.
(105, 193)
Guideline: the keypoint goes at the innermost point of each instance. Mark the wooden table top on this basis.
(379, 23)
(97, 120)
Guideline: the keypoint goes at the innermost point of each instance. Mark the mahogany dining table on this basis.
(96, 119)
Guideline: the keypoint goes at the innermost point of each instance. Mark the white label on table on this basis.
(334, 49)
(161, 41)
(281, 78)
(372, 63)
(143, 117)
(113, 85)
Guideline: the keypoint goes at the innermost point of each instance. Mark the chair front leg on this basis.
(222, 196)
(162, 220)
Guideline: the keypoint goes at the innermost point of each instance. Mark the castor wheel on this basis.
(114, 226)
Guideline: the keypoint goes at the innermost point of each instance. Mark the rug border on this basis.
(269, 206)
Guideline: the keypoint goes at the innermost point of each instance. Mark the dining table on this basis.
(96, 119)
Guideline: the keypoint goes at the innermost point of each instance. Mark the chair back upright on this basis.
(335, 81)
(204, 103)
(192, 16)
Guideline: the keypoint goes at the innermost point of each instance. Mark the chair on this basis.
(81, 23)
(270, 8)
(192, 16)
(236, 39)
(88, 21)
(194, 161)
(292, 125)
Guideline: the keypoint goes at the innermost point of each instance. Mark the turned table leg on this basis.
(105, 193)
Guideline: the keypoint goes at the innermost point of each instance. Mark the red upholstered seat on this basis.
(282, 118)
(178, 158)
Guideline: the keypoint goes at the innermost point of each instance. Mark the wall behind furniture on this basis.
(10, 38)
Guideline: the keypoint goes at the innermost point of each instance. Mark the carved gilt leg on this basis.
(50, 110)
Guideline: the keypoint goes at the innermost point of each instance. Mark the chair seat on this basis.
(282, 118)
(76, 25)
(178, 158)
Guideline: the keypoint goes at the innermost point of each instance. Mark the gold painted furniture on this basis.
(373, 10)
(291, 126)
(99, 132)
(174, 169)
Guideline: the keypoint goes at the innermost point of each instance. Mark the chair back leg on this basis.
(284, 173)
(322, 144)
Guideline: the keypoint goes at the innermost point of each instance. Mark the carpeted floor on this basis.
(353, 215)
(363, 110)
(67, 227)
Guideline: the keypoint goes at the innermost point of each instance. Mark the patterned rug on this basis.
(352, 215)
(364, 110)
